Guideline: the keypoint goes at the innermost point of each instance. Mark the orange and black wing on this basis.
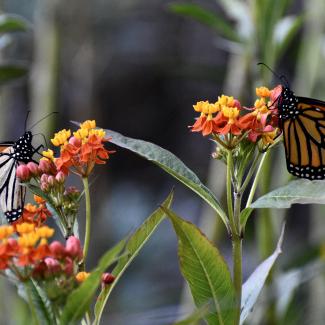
(304, 139)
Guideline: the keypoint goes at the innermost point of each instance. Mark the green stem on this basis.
(234, 203)
(257, 177)
(88, 218)
(250, 172)
(238, 277)
(229, 194)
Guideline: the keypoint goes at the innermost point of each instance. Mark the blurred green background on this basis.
(137, 67)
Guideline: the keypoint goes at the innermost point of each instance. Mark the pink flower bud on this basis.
(12, 243)
(60, 177)
(51, 180)
(57, 249)
(44, 178)
(107, 278)
(33, 168)
(68, 266)
(75, 141)
(52, 264)
(44, 166)
(45, 187)
(23, 173)
(73, 247)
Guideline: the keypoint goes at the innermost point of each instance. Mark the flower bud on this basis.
(44, 178)
(68, 266)
(82, 276)
(45, 187)
(33, 168)
(23, 173)
(57, 249)
(107, 278)
(44, 165)
(52, 264)
(60, 177)
(75, 141)
(73, 247)
(51, 180)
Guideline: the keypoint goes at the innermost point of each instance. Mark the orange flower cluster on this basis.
(28, 249)
(24, 249)
(36, 214)
(227, 117)
(80, 152)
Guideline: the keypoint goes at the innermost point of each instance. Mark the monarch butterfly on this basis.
(302, 121)
(12, 193)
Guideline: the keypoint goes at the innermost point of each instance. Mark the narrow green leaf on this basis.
(244, 215)
(253, 286)
(38, 301)
(206, 17)
(171, 164)
(11, 72)
(12, 23)
(300, 191)
(133, 247)
(195, 317)
(206, 272)
(79, 301)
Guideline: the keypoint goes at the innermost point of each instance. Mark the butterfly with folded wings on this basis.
(12, 193)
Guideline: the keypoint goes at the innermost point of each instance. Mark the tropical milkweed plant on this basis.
(243, 137)
(52, 275)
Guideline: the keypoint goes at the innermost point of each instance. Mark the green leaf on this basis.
(79, 300)
(11, 72)
(37, 301)
(244, 215)
(302, 191)
(195, 317)
(171, 164)
(133, 247)
(253, 286)
(206, 17)
(206, 272)
(12, 23)
(288, 282)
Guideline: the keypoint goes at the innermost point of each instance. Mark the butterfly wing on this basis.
(304, 139)
(12, 194)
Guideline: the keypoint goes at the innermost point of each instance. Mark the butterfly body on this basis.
(302, 121)
(12, 193)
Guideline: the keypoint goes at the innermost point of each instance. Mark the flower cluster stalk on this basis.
(234, 203)
(88, 217)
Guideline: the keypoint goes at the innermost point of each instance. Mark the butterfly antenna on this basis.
(43, 138)
(266, 66)
(43, 118)
(26, 118)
